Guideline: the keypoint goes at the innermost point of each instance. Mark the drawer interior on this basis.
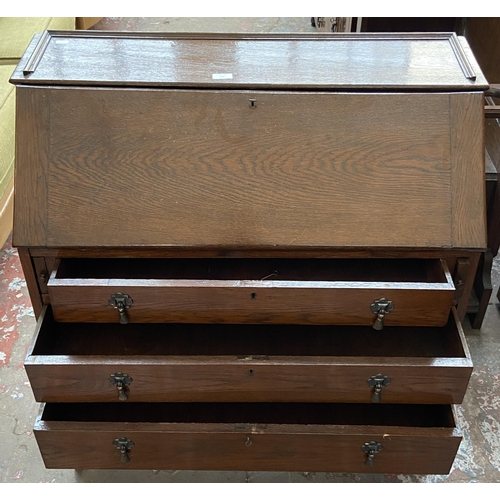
(362, 270)
(404, 415)
(55, 338)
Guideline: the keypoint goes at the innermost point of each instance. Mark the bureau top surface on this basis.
(438, 61)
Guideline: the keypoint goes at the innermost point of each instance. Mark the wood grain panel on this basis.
(225, 446)
(31, 168)
(184, 168)
(468, 176)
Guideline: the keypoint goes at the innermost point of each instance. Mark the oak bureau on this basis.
(249, 252)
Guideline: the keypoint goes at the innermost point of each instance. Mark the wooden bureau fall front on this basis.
(249, 252)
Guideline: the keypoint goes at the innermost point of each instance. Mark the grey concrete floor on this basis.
(478, 459)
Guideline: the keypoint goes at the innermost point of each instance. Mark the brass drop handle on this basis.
(123, 316)
(248, 442)
(381, 307)
(121, 302)
(123, 444)
(378, 382)
(371, 449)
(122, 381)
(376, 394)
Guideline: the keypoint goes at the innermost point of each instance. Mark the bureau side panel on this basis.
(31, 167)
(207, 168)
(468, 177)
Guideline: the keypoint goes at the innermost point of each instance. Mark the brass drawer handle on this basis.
(371, 449)
(121, 302)
(123, 444)
(378, 382)
(381, 307)
(122, 381)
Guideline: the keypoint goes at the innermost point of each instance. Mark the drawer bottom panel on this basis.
(315, 437)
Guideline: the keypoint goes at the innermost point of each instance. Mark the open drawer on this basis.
(294, 291)
(400, 439)
(77, 362)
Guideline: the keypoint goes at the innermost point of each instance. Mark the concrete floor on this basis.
(478, 459)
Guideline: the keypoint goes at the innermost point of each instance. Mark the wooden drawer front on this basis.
(288, 437)
(298, 291)
(73, 362)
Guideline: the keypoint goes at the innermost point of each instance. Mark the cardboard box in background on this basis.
(84, 23)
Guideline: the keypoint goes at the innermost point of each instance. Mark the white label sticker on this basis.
(222, 76)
